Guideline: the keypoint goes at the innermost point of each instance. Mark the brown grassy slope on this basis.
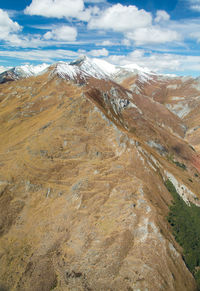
(82, 205)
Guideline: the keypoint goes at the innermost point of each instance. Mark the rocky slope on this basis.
(85, 150)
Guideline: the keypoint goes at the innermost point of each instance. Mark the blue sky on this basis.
(161, 35)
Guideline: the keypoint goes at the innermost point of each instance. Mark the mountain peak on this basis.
(80, 60)
(83, 68)
(21, 72)
(30, 70)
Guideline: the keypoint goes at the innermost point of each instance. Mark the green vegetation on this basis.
(185, 222)
(181, 165)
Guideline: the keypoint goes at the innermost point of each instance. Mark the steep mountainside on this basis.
(181, 95)
(85, 151)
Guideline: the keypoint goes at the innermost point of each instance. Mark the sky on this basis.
(162, 35)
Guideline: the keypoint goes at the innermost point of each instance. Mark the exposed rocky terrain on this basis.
(84, 154)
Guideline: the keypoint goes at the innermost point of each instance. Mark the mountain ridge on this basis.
(91, 67)
(84, 162)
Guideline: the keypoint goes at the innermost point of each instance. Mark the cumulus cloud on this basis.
(58, 9)
(7, 27)
(98, 53)
(136, 25)
(63, 33)
(161, 16)
(121, 18)
(153, 35)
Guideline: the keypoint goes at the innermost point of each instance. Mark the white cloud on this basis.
(3, 69)
(161, 16)
(51, 56)
(7, 27)
(136, 25)
(121, 18)
(97, 53)
(126, 42)
(107, 43)
(188, 28)
(95, 1)
(51, 38)
(158, 62)
(59, 9)
(63, 33)
(195, 5)
(153, 35)
(196, 35)
(40, 55)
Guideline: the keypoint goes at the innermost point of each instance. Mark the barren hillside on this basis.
(83, 163)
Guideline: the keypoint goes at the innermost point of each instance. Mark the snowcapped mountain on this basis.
(144, 73)
(30, 70)
(20, 72)
(80, 69)
(85, 67)
(106, 67)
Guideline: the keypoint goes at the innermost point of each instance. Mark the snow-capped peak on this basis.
(82, 68)
(97, 68)
(107, 68)
(85, 67)
(144, 73)
(20, 72)
(30, 70)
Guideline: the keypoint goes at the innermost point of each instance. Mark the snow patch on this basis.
(177, 98)
(134, 88)
(157, 146)
(173, 86)
(179, 109)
